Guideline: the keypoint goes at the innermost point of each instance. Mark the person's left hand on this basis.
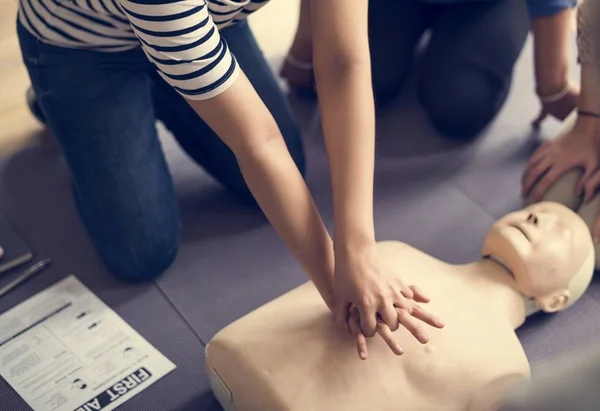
(409, 317)
(560, 109)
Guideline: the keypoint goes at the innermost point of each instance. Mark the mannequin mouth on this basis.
(518, 227)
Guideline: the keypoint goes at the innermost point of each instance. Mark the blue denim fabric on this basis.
(102, 108)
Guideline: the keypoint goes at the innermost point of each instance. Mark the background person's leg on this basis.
(99, 108)
(201, 143)
(467, 69)
(395, 27)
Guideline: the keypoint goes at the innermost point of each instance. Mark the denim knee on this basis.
(135, 248)
(145, 261)
(462, 107)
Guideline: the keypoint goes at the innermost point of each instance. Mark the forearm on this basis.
(551, 51)
(240, 118)
(343, 77)
(282, 194)
(589, 99)
(347, 107)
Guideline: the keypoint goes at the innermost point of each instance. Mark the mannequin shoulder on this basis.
(397, 249)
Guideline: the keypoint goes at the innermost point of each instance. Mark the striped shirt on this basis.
(179, 37)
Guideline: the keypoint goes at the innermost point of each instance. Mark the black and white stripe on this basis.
(180, 37)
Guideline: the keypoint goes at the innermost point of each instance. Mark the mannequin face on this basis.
(544, 246)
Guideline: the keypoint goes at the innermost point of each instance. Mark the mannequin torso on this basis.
(468, 365)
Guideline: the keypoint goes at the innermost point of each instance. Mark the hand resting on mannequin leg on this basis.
(575, 147)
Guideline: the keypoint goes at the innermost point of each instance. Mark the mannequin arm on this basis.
(491, 396)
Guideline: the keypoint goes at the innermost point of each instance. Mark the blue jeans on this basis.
(102, 108)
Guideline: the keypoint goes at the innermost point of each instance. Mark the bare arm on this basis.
(240, 118)
(551, 51)
(200, 67)
(343, 76)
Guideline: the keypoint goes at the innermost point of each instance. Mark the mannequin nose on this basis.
(533, 219)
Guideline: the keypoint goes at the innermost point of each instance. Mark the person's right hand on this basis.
(359, 280)
(409, 318)
(576, 148)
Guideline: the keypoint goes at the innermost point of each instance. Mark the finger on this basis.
(419, 296)
(389, 316)
(547, 180)
(535, 168)
(341, 313)
(539, 154)
(588, 173)
(590, 187)
(407, 292)
(538, 120)
(533, 175)
(413, 326)
(384, 331)
(421, 314)
(361, 341)
(405, 304)
(368, 320)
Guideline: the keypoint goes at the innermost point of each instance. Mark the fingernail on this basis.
(423, 338)
(398, 349)
(439, 323)
(363, 355)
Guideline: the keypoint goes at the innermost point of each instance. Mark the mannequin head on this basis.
(548, 249)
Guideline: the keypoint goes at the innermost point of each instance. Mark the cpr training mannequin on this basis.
(287, 355)
(563, 192)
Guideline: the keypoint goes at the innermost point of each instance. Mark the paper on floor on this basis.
(65, 350)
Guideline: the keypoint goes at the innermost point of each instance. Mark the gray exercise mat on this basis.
(437, 196)
(35, 195)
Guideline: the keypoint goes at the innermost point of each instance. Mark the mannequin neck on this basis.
(496, 275)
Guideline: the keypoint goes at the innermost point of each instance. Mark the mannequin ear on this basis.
(554, 302)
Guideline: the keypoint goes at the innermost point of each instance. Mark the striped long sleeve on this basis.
(180, 37)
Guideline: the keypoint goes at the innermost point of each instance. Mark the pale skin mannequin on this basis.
(285, 355)
(564, 192)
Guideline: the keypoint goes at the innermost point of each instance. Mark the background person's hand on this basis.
(576, 148)
(359, 280)
(297, 69)
(559, 108)
(409, 318)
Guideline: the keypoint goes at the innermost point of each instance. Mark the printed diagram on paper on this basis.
(65, 350)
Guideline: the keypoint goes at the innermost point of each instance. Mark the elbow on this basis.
(336, 67)
(255, 141)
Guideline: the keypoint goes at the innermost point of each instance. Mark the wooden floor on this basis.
(17, 126)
